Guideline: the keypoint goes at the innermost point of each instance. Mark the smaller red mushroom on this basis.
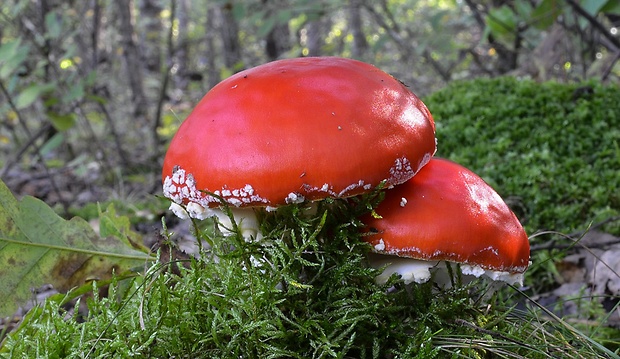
(447, 213)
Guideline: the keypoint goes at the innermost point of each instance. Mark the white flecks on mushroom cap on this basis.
(380, 246)
(294, 198)
(325, 188)
(351, 187)
(402, 170)
(180, 187)
(194, 210)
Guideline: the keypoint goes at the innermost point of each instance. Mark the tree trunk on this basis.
(314, 37)
(150, 44)
(94, 35)
(277, 41)
(360, 45)
(213, 76)
(132, 58)
(182, 49)
(229, 32)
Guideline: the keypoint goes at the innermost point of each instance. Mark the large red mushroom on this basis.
(294, 130)
(447, 213)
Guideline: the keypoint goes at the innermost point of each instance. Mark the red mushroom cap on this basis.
(304, 128)
(447, 212)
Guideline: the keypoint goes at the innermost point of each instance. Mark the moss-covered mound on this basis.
(551, 150)
(305, 289)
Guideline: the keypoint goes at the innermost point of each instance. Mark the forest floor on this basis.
(585, 276)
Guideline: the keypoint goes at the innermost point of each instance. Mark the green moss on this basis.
(551, 150)
(304, 291)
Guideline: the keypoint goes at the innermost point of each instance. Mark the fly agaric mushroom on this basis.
(447, 213)
(294, 130)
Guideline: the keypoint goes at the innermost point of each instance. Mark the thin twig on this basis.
(393, 31)
(611, 65)
(595, 23)
(474, 10)
(32, 142)
(574, 238)
(493, 334)
(24, 148)
(13, 107)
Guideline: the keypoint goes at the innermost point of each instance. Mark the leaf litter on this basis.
(590, 272)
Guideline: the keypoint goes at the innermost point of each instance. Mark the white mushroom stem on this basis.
(245, 218)
(419, 271)
(410, 270)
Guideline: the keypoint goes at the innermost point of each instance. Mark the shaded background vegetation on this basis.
(91, 91)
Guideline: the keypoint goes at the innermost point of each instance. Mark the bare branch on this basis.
(595, 23)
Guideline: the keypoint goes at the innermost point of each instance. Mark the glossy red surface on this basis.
(311, 127)
(450, 214)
